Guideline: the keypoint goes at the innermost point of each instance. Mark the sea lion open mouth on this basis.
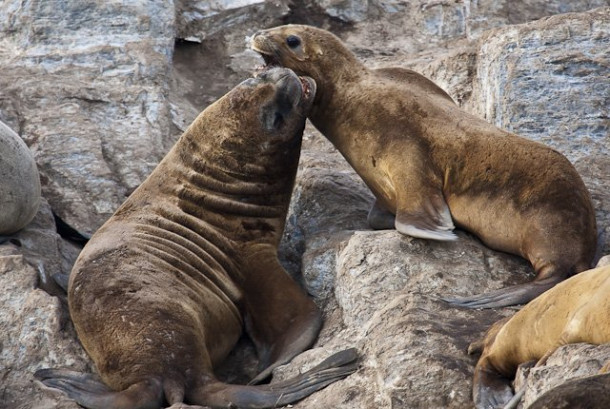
(270, 60)
(309, 86)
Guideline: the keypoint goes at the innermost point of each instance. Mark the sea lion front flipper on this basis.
(490, 389)
(280, 318)
(430, 220)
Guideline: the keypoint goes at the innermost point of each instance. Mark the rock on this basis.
(486, 14)
(387, 288)
(19, 182)
(204, 19)
(349, 11)
(101, 88)
(86, 83)
(567, 362)
(522, 81)
(35, 327)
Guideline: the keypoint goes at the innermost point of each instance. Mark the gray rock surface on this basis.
(19, 182)
(567, 362)
(86, 85)
(35, 327)
(100, 91)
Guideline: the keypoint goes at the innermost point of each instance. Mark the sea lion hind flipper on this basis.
(332, 369)
(514, 295)
(90, 392)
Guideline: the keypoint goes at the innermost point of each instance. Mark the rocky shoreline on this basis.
(99, 92)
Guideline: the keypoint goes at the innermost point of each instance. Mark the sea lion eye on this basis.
(293, 41)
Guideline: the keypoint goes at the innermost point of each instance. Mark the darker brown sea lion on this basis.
(576, 310)
(163, 290)
(432, 165)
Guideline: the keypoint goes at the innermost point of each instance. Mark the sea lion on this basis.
(19, 183)
(576, 310)
(161, 292)
(433, 166)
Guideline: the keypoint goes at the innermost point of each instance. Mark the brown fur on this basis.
(163, 290)
(576, 310)
(423, 157)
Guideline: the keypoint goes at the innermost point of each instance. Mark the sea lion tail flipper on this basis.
(332, 369)
(514, 295)
(91, 393)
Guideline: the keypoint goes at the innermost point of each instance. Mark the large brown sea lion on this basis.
(432, 165)
(163, 290)
(576, 310)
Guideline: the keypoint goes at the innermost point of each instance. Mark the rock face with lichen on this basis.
(99, 91)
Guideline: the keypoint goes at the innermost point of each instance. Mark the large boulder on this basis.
(19, 182)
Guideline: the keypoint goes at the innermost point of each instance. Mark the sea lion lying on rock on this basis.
(162, 291)
(432, 165)
(576, 310)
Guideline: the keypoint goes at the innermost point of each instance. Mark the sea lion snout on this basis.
(293, 97)
(294, 87)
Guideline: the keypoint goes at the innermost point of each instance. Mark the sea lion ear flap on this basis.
(315, 49)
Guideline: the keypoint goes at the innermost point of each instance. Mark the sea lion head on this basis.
(306, 50)
(259, 123)
(283, 97)
(270, 107)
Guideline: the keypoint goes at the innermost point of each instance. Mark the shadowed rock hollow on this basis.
(100, 90)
